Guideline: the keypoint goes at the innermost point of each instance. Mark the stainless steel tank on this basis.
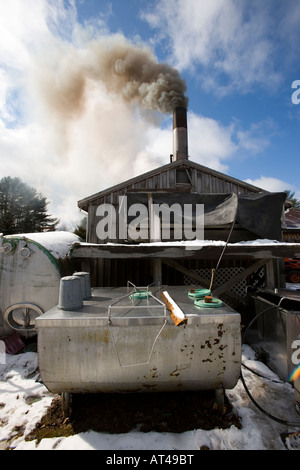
(124, 340)
(31, 266)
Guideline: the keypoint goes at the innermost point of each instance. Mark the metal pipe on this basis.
(180, 139)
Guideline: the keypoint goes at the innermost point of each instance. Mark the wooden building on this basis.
(228, 243)
(291, 231)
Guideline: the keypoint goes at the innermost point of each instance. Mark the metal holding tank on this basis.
(134, 339)
(277, 327)
(276, 334)
(31, 266)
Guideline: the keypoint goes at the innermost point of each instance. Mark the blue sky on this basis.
(238, 58)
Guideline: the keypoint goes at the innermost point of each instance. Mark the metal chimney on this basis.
(180, 140)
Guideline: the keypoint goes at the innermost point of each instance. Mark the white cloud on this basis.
(69, 156)
(256, 138)
(215, 145)
(210, 143)
(23, 26)
(269, 184)
(236, 43)
(65, 159)
(27, 26)
(4, 86)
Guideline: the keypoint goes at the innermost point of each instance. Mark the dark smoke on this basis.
(130, 72)
(134, 74)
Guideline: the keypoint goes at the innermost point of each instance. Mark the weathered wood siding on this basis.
(199, 181)
(175, 177)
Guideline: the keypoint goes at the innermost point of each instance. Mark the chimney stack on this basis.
(180, 140)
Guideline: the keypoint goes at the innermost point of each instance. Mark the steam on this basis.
(96, 108)
(129, 72)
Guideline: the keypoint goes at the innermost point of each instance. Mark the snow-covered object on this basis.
(31, 266)
(177, 314)
(56, 243)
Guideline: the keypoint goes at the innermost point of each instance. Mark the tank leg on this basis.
(220, 398)
(66, 399)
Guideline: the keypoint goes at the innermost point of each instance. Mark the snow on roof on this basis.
(189, 243)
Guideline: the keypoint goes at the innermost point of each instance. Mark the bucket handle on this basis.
(139, 363)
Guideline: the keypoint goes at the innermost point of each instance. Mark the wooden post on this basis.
(270, 282)
(157, 271)
(154, 236)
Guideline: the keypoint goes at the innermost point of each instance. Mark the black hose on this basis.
(262, 376)
(278, 420)
(266, 413)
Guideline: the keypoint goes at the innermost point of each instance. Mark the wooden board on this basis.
(186, 251)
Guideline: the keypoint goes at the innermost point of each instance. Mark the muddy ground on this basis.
(117, 413)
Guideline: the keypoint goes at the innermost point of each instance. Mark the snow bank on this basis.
(24, 400)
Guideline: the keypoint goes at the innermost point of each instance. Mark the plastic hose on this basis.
(278, 420)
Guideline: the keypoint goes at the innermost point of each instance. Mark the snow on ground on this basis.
(24, 400)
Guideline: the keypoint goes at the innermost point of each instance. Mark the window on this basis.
(183, 177)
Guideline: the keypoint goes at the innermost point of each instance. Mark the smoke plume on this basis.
(96, 108)
(129, 72)
(134, 74)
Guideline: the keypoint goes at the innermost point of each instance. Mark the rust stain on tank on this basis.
(97, 336)
(102, 336)
(176, 372)
(220, 330)
(206, 344)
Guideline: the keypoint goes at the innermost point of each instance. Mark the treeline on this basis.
(23, 209)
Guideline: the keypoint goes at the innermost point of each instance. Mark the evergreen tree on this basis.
(22, 209)
(80, 230)
(291, 198)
